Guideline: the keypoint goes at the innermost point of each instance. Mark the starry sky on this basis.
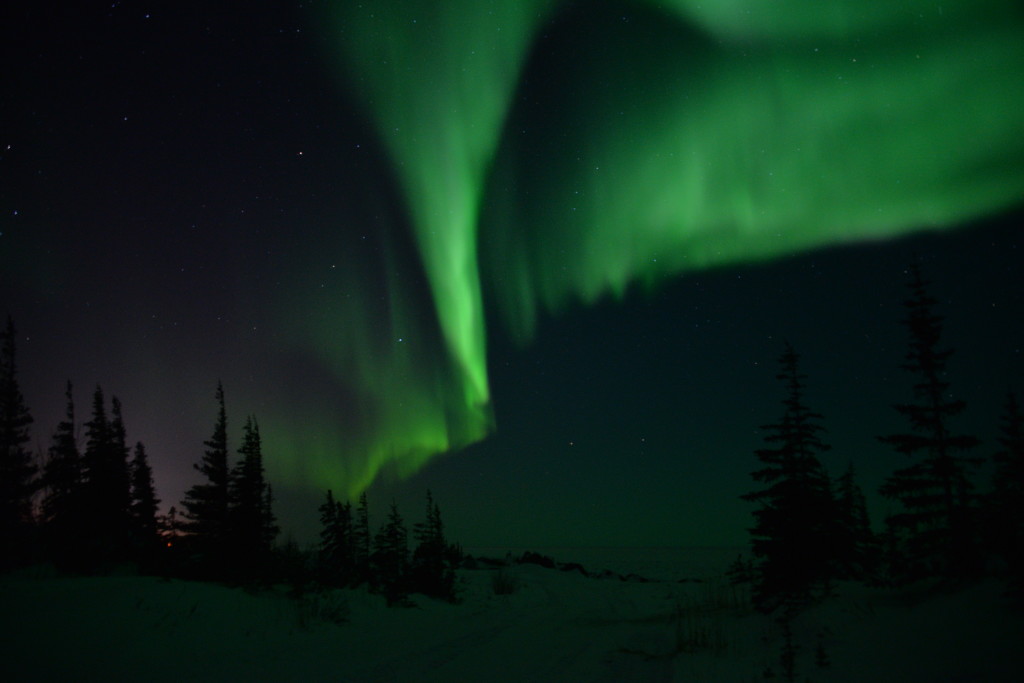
(539, 257)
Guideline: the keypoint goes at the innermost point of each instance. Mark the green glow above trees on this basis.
(693, 135)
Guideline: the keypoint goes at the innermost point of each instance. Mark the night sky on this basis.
(538, 257)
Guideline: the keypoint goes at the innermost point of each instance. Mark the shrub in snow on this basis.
(698, 630)
(328, 606)
(504, 582)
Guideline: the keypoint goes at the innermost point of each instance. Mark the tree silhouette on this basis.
(145, 535)
(361, 539)
(62, 505)
(248, 500)
(933, 533)
(337, 557)
(17, 471)
(1006, 502)
(854, 540)
(120, 475)
(268, 520)
(432, 573)
(793, 535)
(206, 504)
(105, 489)
(390, 559)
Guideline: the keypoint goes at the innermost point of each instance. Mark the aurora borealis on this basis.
(356, 213)
(669, 144)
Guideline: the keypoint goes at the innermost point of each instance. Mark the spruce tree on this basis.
(247, 500)
(361, 539)
(105, 490)
(62, 505)
(144, 504)
(854, 540)
(1006, 502)
(94, 461)
(206, 504)
(268, 522)
(328, 550)
(432, 573)
(934, 530)
(793, 535)
(18, 480)
(390, 558)
(337, 543)
(120, 469)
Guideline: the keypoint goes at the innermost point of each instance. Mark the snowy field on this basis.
(555, 626)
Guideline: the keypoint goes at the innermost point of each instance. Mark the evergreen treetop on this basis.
(390, 558)
(934, 524)
(1006, 503)
(793, 534)
(105, 487)
(63, 504)
(18, 480)
(206, 504)
(144, 503)
(249, 502)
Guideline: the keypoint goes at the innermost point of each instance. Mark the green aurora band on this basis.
(551, 153)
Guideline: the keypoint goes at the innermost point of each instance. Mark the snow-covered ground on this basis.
(556, 626)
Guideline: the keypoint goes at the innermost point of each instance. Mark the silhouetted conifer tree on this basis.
(145, 532)
(432, 572)
(120, 483)
(854, 541)
(1006, 502)
(62, 505)
(337, 557)
(328, 551)
(248, 501)
(268, 527)
(95, 462)
(792, 536)
(361, 539)
(105, 488)
(390, 559)
(18, 480)
(206, 504)
(934, 532)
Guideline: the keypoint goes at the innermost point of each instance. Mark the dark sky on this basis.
(180, 186)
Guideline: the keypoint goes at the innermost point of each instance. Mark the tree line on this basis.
(89, 509)
(81, 508)
(810, 530)
(349, 557)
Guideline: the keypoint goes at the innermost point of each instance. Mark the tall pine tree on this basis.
(62, 506)
(268, 528)
(337, 543)
(793, 534)
(1006, 502)
(17, 471)
(934, 532)
(206, 504)
(105, 488)
(854, 540)
(120, 470)
(361, 539)
(432, 573)
(248, 500)
(145, 534)
(390, 559)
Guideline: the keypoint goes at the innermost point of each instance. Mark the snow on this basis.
(557, 626)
